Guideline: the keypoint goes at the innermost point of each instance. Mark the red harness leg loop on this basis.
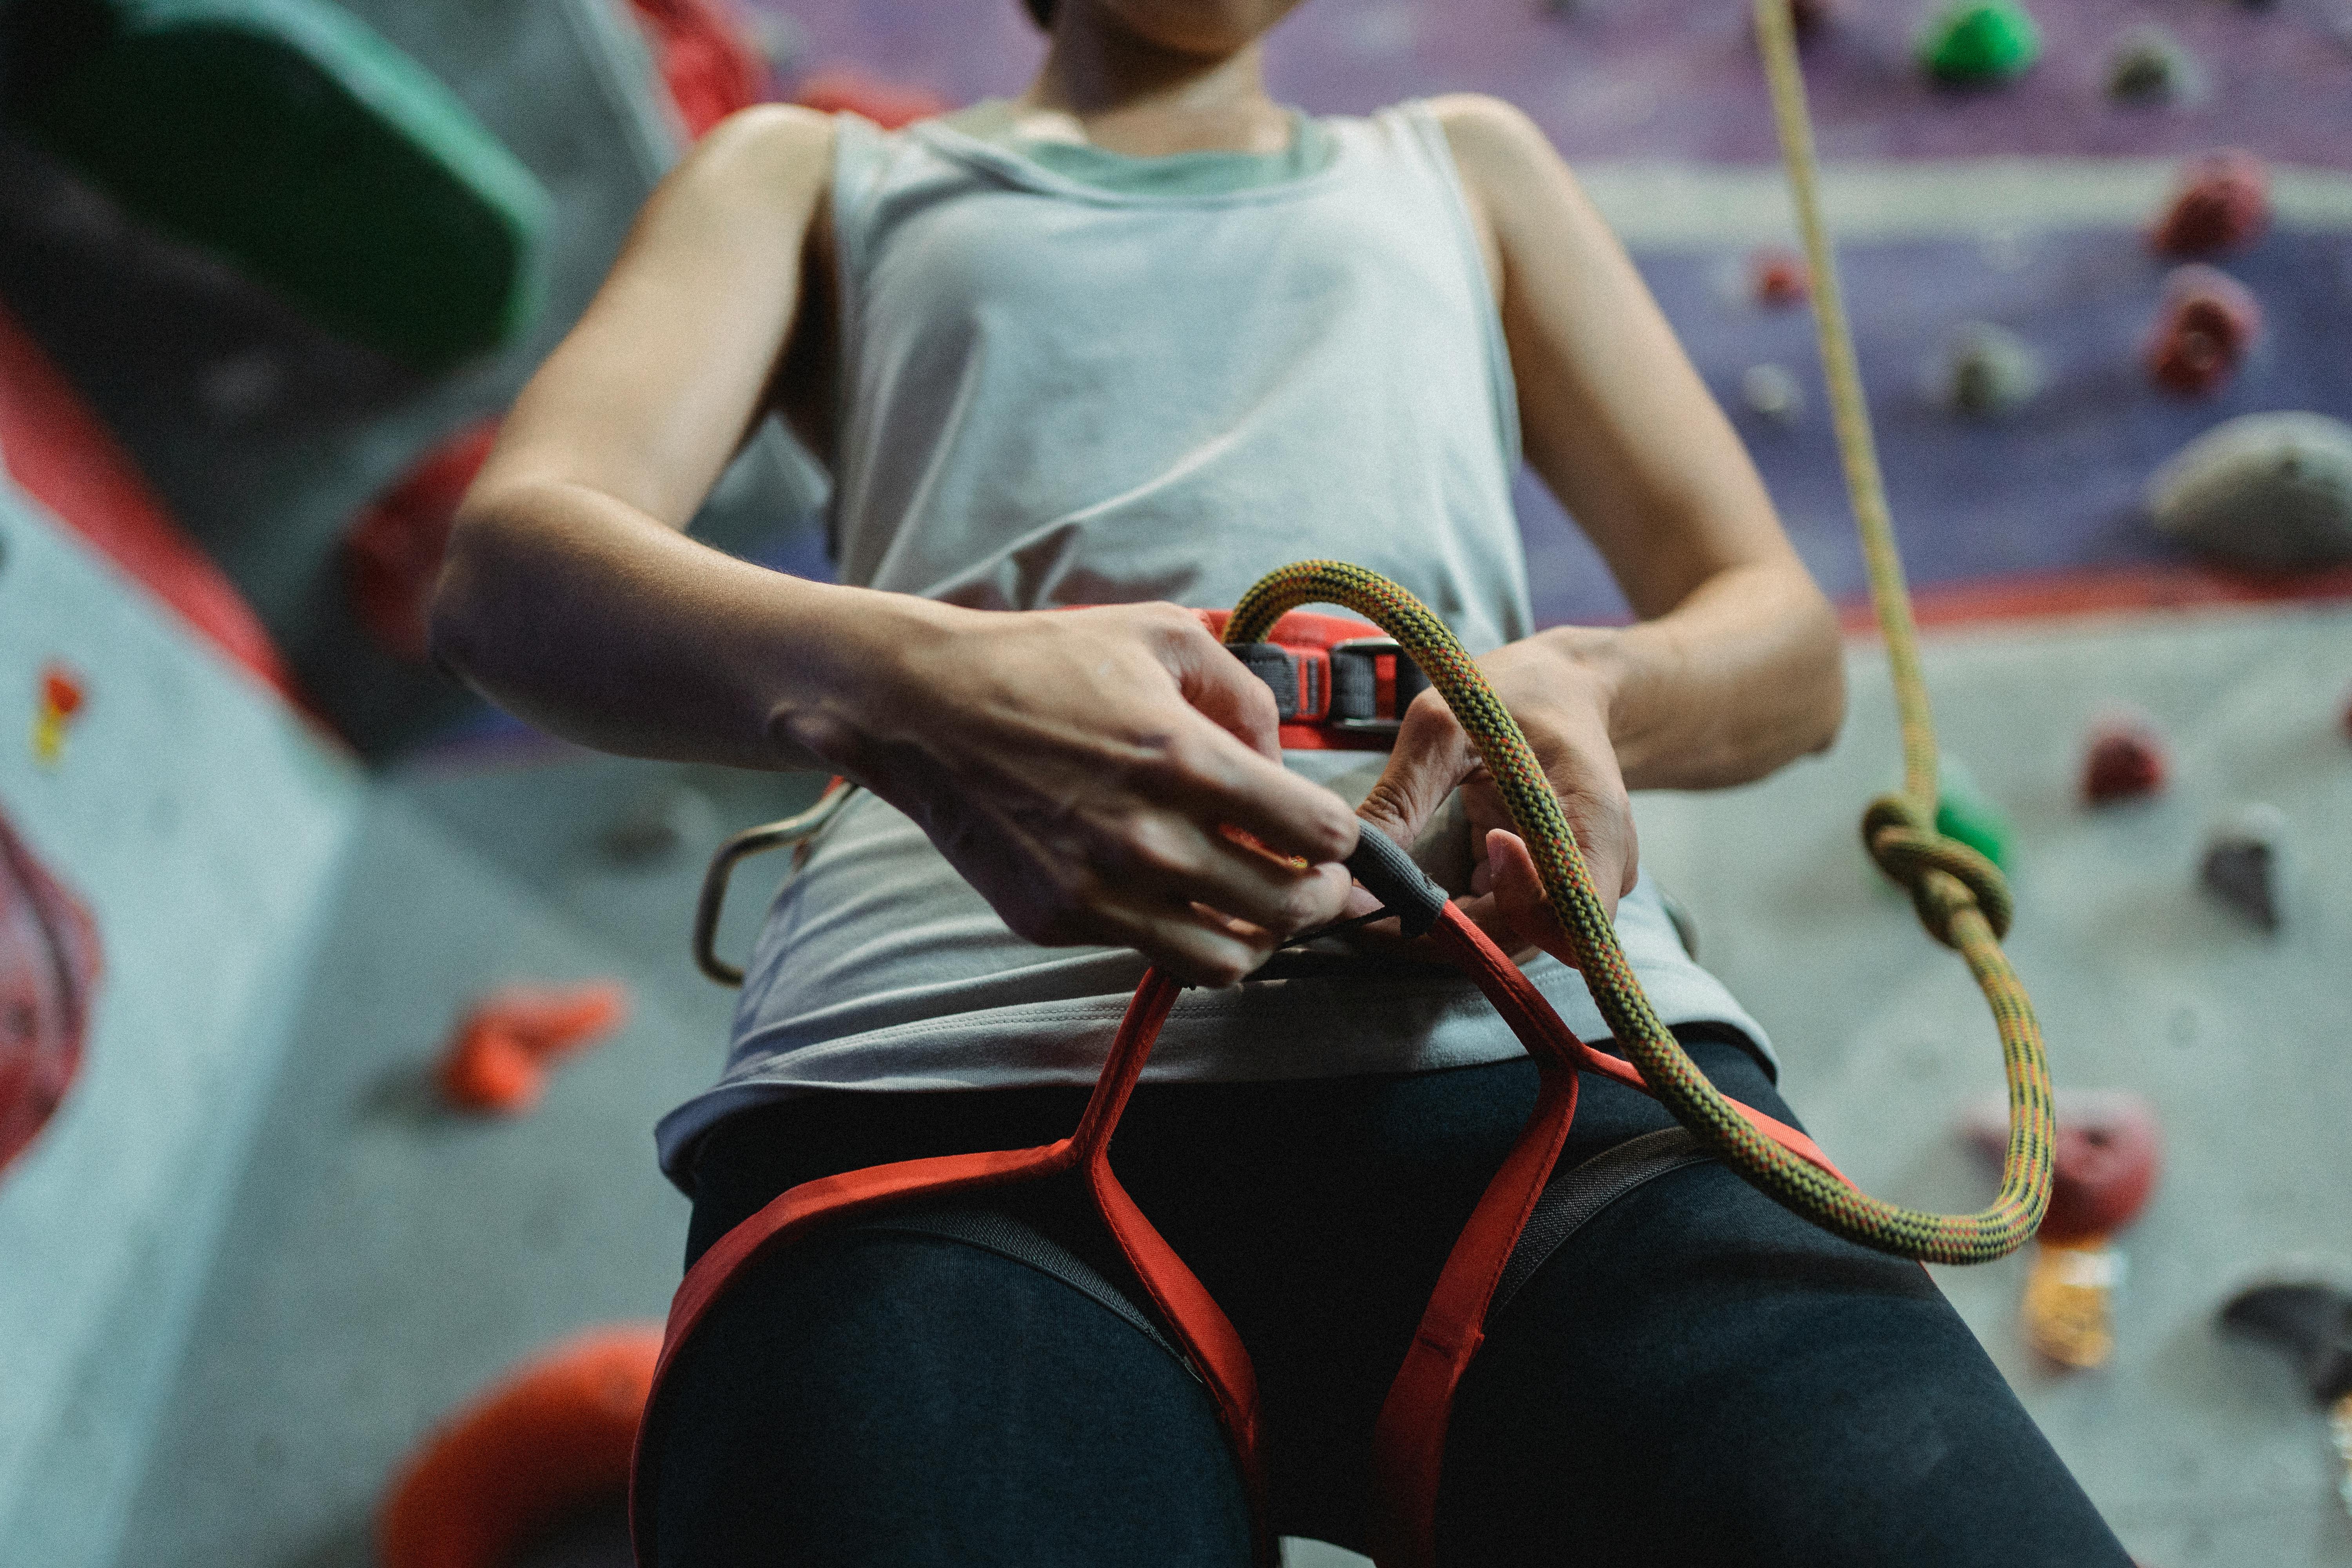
(1197, 1322)
(1409, 1437)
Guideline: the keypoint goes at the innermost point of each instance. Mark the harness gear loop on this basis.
(793, 830)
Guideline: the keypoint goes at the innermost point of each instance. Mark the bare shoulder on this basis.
(1495, 143)
(770, 152)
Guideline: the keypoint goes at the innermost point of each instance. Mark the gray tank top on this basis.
(1056, 392)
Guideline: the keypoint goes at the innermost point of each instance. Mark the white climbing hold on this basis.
(2270, 491)
(1769, 390)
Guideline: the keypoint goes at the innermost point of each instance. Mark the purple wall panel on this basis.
(1664, 78)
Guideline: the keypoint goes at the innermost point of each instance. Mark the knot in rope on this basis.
(1942, 875)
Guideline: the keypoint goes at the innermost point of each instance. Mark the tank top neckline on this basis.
(1007, 165)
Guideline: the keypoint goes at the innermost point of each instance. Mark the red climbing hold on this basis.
(2221, 202)
(2109, 1155)
(708, 67)
(498, 1061)
(48, 967)
(1779, 277)
(2126, 761)
(550, 1440)
(2208, 326)
(2104, 1162)
(61, 692)
(888, 104)
(392, 552)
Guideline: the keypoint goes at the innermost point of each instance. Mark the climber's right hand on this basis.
(1107, 775)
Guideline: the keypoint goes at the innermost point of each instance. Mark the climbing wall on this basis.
(2199, 1449)
(388, 1255)
(202, 824)
(265, 430)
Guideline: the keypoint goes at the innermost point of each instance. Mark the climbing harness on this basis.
(1960, 895)
(1497, 1250)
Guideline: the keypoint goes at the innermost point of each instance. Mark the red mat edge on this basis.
(2050, 595)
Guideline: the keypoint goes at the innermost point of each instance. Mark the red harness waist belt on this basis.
(1339, 684)
(1409, 1437)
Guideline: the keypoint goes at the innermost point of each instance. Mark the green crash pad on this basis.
(285, 136)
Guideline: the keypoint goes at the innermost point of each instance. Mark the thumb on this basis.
(1520, 897)
(1431, 758)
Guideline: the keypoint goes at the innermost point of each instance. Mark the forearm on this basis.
(595, 622)
(1745, 674)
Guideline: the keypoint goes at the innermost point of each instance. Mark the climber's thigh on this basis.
(879, 1398)
(1698, 1376)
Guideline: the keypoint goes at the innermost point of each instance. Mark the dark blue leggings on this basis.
(1697, 1377)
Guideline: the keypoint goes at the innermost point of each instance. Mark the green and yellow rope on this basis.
(1960, 896)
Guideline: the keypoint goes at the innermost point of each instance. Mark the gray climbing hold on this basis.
(2269, 491)
(2311, 1320)
(2241, 860)
(1987, 371)
(658, 824)
(1769, 390)
(2150, 66)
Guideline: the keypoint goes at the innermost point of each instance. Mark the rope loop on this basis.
(1942, 875)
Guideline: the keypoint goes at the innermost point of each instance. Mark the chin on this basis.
(1196, 27)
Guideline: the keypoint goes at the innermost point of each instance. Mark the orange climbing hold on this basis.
(60, 702)
(499, 1060)
(2222, 203)
(548, 1441)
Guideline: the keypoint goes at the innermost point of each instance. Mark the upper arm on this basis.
(650, 394)
(1612, 413)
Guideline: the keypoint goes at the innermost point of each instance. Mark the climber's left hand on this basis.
(1562, 705)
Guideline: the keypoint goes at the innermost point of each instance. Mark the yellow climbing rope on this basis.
(1960, 896)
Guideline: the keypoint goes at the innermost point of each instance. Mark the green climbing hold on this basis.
(1981, 41)
(288, 137)
(1966, 813)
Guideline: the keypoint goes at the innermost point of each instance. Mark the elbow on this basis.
(1822, 713)
(459, 623)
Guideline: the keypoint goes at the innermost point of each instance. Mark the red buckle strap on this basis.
(1338, 683)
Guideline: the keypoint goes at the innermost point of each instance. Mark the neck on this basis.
(1140, 96)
